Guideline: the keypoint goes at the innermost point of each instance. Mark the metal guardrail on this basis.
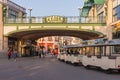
(70, 19)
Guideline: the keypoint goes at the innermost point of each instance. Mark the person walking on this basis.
(9, 53)
(53, 52)
(39, 52)
(15, 54)
(44, 52)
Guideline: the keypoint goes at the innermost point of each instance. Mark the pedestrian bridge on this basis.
(36, 27)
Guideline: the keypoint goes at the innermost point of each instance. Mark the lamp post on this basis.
(80, 9)
(30, 10)
(3, 20)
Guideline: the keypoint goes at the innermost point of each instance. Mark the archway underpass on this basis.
(21, 38)
(36, 34)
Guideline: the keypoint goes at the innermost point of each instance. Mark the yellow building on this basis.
(116, 19)
(8, 9)
(108, 10)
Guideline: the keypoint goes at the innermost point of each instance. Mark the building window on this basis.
(49, 38)
(12, 13)
(116, 13)
(101, 17)
(118, 34)
(56, 38)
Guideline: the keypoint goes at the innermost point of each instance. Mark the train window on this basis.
(116, 50)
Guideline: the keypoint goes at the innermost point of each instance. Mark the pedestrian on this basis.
(56, 52)
(44, 52)
(15, 54)
(39, 52)
(53, 52)
(9, 53)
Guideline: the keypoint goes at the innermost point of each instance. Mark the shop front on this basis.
(116, 30)
(48, 46)
(28, 50)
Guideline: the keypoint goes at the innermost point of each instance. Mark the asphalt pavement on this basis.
(49, 68)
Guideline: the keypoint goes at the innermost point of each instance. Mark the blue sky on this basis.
(52, 7)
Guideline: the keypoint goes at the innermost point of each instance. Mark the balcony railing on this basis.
(70, 19)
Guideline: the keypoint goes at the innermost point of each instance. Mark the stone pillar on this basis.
(19, 48)
(5, 43)
(1, 29)
(95, 14)
(109, 19)
(53, 40)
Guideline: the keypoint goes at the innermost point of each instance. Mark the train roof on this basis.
(108, 43)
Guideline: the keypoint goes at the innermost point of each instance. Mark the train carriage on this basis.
(72, 54)
(104, 56)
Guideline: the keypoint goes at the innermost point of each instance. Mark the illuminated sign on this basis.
(54, 19)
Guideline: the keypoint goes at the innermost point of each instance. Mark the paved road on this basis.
(33, 68)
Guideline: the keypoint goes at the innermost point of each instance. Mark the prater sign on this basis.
(54, 19)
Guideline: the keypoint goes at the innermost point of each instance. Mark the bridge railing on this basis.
(70, 19)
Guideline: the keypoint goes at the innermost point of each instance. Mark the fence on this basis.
(69, 19)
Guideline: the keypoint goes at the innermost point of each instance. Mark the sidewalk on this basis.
(3, 55)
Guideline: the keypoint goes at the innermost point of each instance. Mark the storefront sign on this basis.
(54, 19)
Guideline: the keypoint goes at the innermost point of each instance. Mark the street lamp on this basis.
(80, 9)
(3, 20)
(30, 10)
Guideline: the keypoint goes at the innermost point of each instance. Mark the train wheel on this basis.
(98, 68)
(87, 67)
(118, 71)
(75, 64)
(109, 71)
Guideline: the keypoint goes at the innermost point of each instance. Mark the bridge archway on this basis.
(36, 33)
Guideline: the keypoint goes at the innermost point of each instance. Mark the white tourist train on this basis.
(70, 54)
(105, 56)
